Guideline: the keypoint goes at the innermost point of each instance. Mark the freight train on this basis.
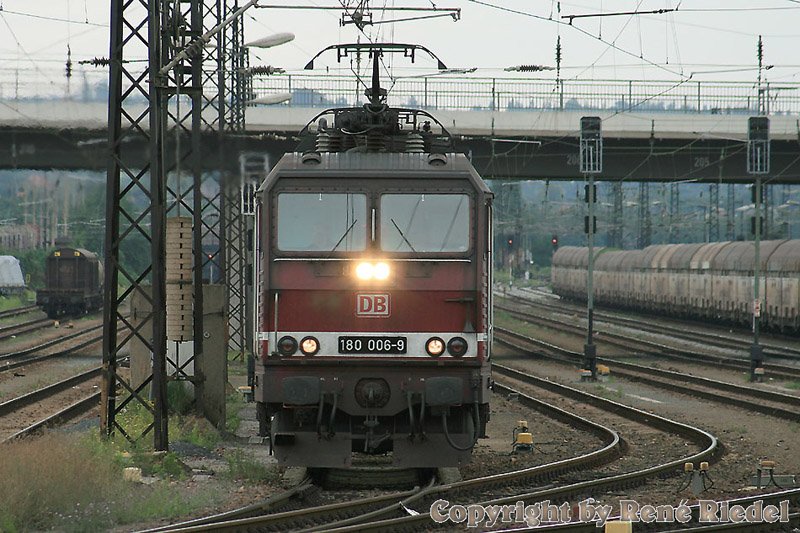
(713, 281)
(374, 301)
(73, 281)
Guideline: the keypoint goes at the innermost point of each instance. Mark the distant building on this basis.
(19, 237)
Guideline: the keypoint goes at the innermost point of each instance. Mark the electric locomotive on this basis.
(374, 292)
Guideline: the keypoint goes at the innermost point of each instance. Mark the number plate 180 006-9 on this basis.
(372, 345)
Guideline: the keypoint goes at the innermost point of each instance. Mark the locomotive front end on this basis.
(374, 308)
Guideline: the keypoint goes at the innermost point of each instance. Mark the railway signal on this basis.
(591, 163)
(554, 242)
(757, 165)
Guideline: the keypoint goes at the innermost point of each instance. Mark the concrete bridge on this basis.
(512, 128)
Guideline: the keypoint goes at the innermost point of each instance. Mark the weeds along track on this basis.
(13, 330)
(22, 415)
(409, 511)
(637, 346)
(784, 406)
(73, 341)
(710, 333)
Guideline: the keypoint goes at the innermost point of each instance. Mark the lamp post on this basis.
(247, 207)
(591, 163)
(757, 165)
(270, 41)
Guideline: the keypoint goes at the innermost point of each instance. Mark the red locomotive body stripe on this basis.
(422, 296)
(428, 311)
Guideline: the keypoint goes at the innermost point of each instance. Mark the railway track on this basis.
(8, 313)
(9, 361)
(396, 511)
(8, 332)
(356, 511)
(678, 329)
(784, 406)
(707, 442)
(48, 393)
(635, 346)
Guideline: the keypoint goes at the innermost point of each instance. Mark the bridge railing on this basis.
(509, 94)
(452, 92)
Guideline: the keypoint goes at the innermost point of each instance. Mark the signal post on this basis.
(591, 163)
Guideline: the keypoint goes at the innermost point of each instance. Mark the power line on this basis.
(619, 33)
(56, 19)
(734, 9)
(612, 45)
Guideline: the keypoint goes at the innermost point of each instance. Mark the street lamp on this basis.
(269, 41)
(591, 163)
(271, 99)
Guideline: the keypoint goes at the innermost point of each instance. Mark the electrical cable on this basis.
(56, 19)
(532, 15)
(619, 33)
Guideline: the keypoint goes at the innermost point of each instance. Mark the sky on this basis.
(703, 39)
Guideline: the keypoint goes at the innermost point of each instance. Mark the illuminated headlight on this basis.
(457, 347)
(434, 346)
(309, 346)
(287, 345)
(367, 271)
(380, 271)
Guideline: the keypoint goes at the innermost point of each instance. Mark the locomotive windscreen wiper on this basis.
(402, 235)
(335, 246)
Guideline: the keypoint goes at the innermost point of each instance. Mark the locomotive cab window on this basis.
(322, 222)
(425, 223)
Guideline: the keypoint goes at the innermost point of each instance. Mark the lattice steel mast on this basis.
(139, 199)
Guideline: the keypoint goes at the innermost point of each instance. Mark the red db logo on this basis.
(372, 305)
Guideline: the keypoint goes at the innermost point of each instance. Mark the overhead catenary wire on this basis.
(577, 28)
(55, 19)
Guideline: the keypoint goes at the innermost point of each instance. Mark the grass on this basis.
(196, 430)
(242, 466)
(12, 302)
(609, 392)
(74, 483)
(232, 407)
(795, 385)
(237, 363)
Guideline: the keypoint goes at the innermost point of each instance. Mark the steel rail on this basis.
(7, 332)
(48, 344)
(711, 449)
(268, 505)
(80, 407)
(22, 362)
(398, 502)
(38, 395)
(18, 311)
(668, 352)
(677, 330)
(656, 377)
